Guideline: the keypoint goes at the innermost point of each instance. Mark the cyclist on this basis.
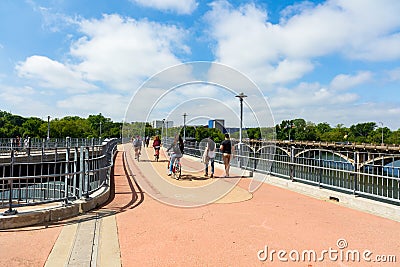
(137, 145)
(177, 151)
(156, 146)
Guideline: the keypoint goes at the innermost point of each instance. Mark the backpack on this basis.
(136, 142)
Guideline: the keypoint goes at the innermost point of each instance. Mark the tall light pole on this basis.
(162, 128)
(166, 131)
(48, 128)
(100, 129)
(241, 96)
(184, 126)
(382, 132)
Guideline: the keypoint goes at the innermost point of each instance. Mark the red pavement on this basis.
(155, 234)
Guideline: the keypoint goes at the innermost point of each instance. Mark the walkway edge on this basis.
(109, 254)
(61, 251)
(57, 213)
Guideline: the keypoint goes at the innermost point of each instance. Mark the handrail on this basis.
(75, 172)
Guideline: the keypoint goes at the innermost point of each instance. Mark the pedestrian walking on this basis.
(209, 156)
(227, 150)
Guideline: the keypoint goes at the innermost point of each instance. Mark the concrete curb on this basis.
(55, 213)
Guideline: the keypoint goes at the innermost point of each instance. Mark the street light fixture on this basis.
(184, 126)
(241, 96)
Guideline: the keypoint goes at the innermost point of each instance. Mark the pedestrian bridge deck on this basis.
(134, 229)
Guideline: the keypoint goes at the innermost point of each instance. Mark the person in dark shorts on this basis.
(227, 149)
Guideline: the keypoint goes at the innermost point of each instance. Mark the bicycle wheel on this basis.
(178, 171)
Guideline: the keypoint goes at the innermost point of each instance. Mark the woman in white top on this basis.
(209, 156)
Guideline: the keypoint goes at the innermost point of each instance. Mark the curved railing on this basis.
(371, 174)
(54, 171)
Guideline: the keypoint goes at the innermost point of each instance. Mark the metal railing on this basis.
(61, 171)
(372, 175)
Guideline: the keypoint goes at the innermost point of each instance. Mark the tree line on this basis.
(12, 126)
(366, 132)
(95, 126)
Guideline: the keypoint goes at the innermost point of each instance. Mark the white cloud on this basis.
(178, 6)
(394, 75)
(22, 100)
(308, 96)
(53, 74)
(245, 39)
(345, 81)
(113, 105)
(122, 52)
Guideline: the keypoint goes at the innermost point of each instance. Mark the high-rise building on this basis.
(218, 124)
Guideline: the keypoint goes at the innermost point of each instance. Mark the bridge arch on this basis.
(385, 158)
(346, 158)
(273, 149)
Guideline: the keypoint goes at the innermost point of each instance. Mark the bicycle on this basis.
(156, 153)
(137, 153)
(176, 168)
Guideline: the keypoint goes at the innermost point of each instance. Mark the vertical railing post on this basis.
(82, 171)
(10, 210)
(320, 168)
(67, 153)
(75, 170)
(86, 162)
(291, 166)
(356, 171)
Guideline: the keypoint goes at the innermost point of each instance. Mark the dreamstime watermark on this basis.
(334, 254)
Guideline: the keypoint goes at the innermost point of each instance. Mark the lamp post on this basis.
(162, 129)
(382, 132)
(48, 128)
(100, 129)
(241, 96)
(166, 131)
(184, 126)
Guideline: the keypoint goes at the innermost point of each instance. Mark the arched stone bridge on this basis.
(359, 155)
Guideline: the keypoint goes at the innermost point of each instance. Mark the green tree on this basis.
(31, 127)
(393, 138)
(361, 131)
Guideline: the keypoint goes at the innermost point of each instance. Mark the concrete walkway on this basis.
(152, 221)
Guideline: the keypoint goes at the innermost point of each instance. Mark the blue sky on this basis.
(332, 61)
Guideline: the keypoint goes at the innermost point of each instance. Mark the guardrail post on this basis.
(291, 165)
(254, 160)
(67, 153)
(10, 210)
(87, 196)
(356, 170)
(75, 170)
(43, 153)
(320, 168)
(82, 171)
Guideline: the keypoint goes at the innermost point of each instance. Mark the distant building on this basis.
(218, 124)
(161, 124)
